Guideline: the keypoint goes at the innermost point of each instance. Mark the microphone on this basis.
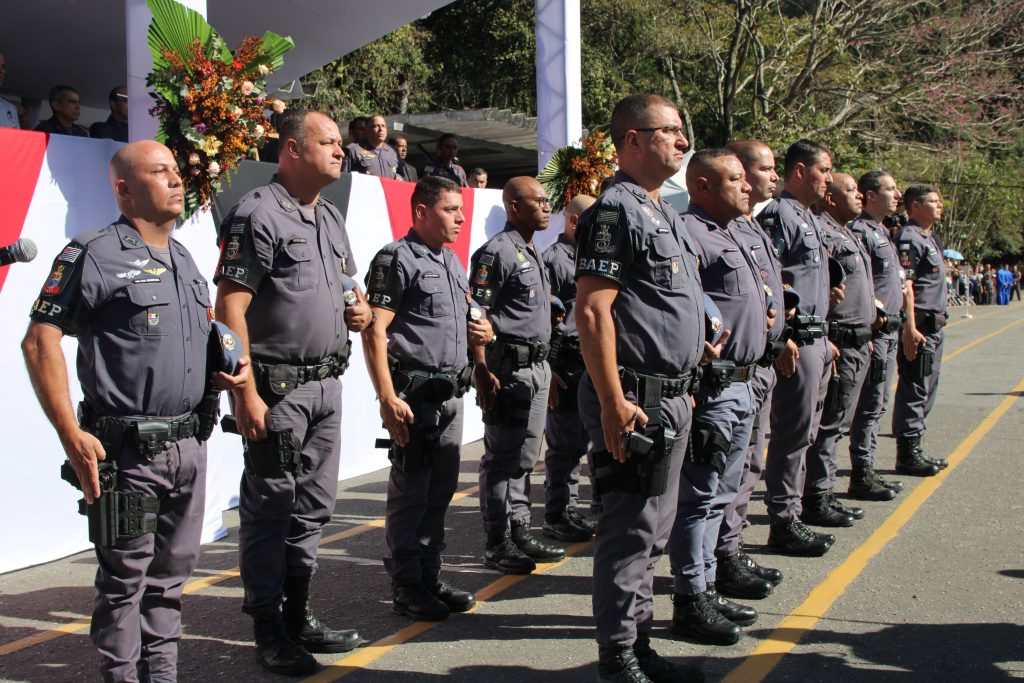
(349, 286)
(22, 251)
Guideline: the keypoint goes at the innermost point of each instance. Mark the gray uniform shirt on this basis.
(381, 161)
(756, 242)
(796, 240)
(732, 280)
(560, 259)
(510, 280)
(454, 173)
(142, 324)
(885, 266)
(292, 266)
(642, 246)
(427, 289)
(922, 260)
(858, 304)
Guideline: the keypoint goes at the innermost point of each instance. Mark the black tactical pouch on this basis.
(707, 447)
(152, 437)
(839, 396)
(207, 413)
(876, 371)
(419, 453)
(567, 398)
(270, 458)
(921, 366)
(717, 374)
(511, 406)
(772, 351)
(114, 516)
(280, 380)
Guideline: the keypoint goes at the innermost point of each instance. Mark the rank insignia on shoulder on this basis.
(286, 205)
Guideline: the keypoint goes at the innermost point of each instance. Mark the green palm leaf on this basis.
(175, 26)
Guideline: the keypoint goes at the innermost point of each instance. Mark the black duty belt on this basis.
(893, 322)
(669, 387)
(805, 329)
(719, 374)
(848, 336)
(929, 323)
(280, 378)
(522, 353)
(149, 435)
(421, 385)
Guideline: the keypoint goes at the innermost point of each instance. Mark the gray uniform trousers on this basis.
(734, 519)
(915, 398)
(822, 459)
(417, 501)
(633, 531)
(704, 493)
(796, 413)
(567, 443)
(136, 619)
(281, 518)
(874, 397)
(512, 435)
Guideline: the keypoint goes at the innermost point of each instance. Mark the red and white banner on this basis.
(54, 188)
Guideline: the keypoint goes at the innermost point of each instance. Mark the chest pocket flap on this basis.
(296, 266)
(736, 276)
(667, 260)
(150, 314)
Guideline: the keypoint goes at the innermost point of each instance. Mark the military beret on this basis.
(223, 349)
(713, 322)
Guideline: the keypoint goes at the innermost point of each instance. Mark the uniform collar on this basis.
(790, 199)
(283, 197)
(871, 222)
(131, 238)
(698, 213)
(419, 247)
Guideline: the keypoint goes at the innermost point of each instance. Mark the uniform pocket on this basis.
(433, 300)
(296, 266)
(734, 281)
(203, 310)
(524, 285)
(666, 260)
(151, 310)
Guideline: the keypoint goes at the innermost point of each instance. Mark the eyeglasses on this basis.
(675, 131)
(543, 201)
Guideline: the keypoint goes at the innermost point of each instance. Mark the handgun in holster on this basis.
(877, 369)
(833, 397)
(646, 470)
(707, 447)
(919, 368)
(113, 516)
(270, 458)
(419, 452)
(207, 413)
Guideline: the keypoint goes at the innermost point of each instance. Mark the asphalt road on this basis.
(929, 587)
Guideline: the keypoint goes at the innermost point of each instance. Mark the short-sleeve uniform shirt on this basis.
(291, 258)
(754, 239)
(642, 246)
(428, 291)
(560, 259)
(858, 304)
(797, 242)
(885, 264)
(381, 161)
(142, 318)
(921, 258)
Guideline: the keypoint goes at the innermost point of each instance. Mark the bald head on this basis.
(716, 183)
(527, 206)
(573, 210)
(843, 201)
(125, 159)
(146, 183)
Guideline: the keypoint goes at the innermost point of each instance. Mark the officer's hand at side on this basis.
(479, 332)
(84, 450)
(834, 351)
(557, 384)
(770, 318)
(786, 363)
(836, 295)
(252, 415)
(879, 321)
(222, 381)
(397, 416)
(714, 352)
(487, 386)
(790, 312)
(617, 421)
(912, 341)
(357, 317)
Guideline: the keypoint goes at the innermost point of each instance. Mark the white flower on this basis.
(247, 87)
(264, 69)
(259, 131)
(213, 168)
(193, 159)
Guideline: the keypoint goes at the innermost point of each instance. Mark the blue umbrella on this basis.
(953, 254)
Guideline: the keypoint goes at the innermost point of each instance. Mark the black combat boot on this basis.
(619, 665)
(794, 538)
(457, 600)
(837, 505)
(697, 617)
(864, 485)
(818, 512)
(735, 580)
(740, 615)
(568, 527)
(502, 554)
(534, 548)
(415, 601)
(767, 573)
(910, 458)
(275, 651)
(303, 626)
(659, 669)
(896, 485)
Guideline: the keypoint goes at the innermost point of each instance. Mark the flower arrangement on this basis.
(210, 101)
(576, 170)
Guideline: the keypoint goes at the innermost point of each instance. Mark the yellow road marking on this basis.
(971, 345)
(791, 630)
(44, 636)
(377, 649)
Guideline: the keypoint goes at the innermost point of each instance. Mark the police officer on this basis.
(738, 575)
(803, 378)
(373, 155)
(446, 163)
(141, 311)
(639, 312)
(880, 200)
(724, 414)
(564, 434)
(920, 354)
(512, 376)
(418, 357)
(283, 251)
(850, 324)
